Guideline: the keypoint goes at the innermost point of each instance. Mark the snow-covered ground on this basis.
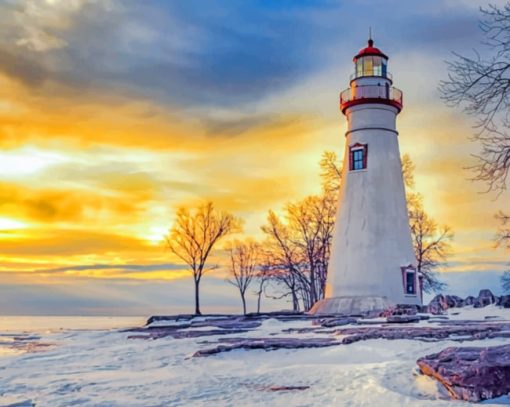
(97, 367)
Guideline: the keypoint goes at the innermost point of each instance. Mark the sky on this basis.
(115, 113)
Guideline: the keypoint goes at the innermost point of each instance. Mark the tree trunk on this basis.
(244, 303)
(295, 301)
(197, 297)
(259, 295)
(312, 296)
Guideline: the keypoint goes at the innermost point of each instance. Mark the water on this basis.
(34, 324)
(20, 334)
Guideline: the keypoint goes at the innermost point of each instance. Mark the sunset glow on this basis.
(106, 128)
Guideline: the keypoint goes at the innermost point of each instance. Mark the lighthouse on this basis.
(372, 264)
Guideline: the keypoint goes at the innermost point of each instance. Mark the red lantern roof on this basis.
(370, 50)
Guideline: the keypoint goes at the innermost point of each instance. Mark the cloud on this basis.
(42, 25)
(478, 265)
(22, 68)
(66, 206)
(182, 54)
(68, 242)
(126, 268)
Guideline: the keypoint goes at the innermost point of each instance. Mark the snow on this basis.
(479, 314)
(104, 368)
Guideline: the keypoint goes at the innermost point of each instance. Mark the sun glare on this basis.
(156, 234)
(26, 162)
(11, 224)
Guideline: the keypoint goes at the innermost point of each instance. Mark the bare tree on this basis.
(263, 276)
(503, 239)
(431, 247)
(331, 172)
(482, 85)
(503, 235)
(298, 244)
(408, 168)
(244, 257)
(193, 236)
(430, 242)
(260, 290)
(298, 249)
(280, 258)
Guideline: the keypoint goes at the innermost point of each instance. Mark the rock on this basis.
(210, 318)
(504, 301)
(438, 305)
(269, 344)
(183, 317)
(465, 331)
(469, 300)
(222, 325)
(288, 388)
(485, 297)
(163, 332)
(403, 319)
(442, 302)
(470, 373)
(331, 322)
(402, 309)
(25, 403)
(454, 301)
(439, 318)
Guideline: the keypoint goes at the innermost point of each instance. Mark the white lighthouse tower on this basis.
(372, 264)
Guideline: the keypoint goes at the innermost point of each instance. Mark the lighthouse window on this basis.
(377, 66)
(359, 67)
(358, 157)
(410, 282)
(368, 66)
(371, 66)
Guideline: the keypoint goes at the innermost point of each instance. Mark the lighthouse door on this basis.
(409, 279)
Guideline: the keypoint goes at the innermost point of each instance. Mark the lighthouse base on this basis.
(351, 305)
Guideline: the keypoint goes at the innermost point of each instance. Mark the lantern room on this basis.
(370, 61)
(371, 82)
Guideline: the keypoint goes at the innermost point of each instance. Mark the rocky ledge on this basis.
(340, 331)
(440, 303)
(267, 344)
(470, 373)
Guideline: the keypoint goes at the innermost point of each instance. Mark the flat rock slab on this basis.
(332, 322)
(288, 388)
(403, 319)
(470, 373)
(183, 333)
(269, 344)
(279, 315)
(455, 332)
(194, 328)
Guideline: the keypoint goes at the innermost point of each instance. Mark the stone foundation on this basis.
(351, 305)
